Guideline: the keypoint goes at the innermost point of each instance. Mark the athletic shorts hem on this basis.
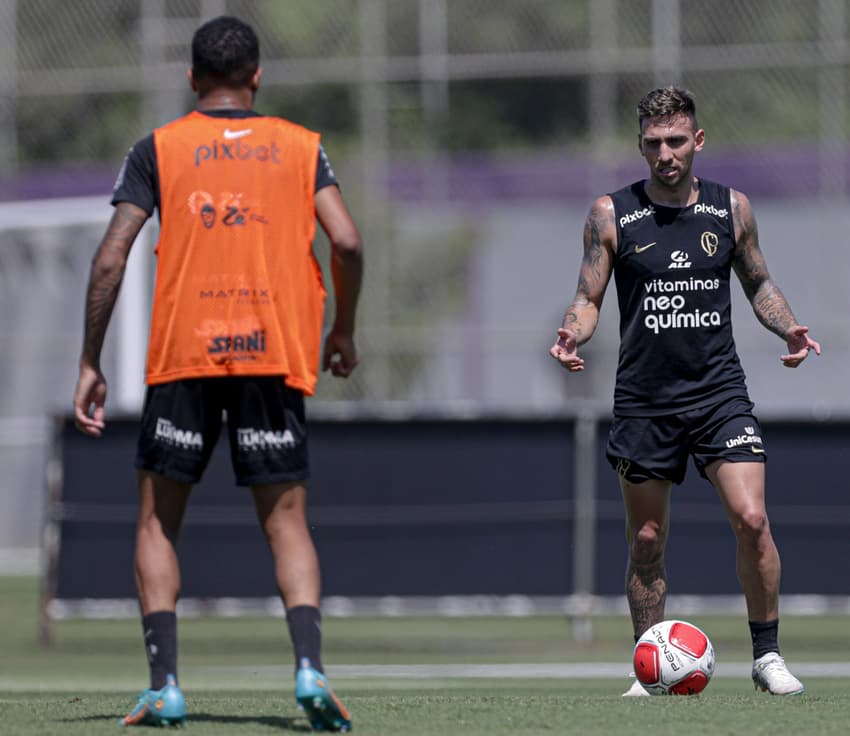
(701, 464)
(635, 473)
(170, 473)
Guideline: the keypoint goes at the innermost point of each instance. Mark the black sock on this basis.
(305, 630)
(160, 631)
(765, 637)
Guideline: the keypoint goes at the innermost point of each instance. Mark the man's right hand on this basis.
(565, 351)
(340, 355)
(89, 399)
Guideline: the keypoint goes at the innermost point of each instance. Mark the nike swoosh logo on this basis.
(233, 134)
(757, 450)
(642, 248)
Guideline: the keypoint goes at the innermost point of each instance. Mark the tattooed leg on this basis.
(646, 590)
(647, 518)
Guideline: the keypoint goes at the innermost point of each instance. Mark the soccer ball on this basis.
(673, 658)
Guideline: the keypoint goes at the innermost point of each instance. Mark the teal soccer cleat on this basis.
(324, 710)
(165, 707)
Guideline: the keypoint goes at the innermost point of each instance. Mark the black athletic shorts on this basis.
(181, 422)
(641, 448)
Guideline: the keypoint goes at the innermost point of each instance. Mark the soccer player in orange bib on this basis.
(235, 327)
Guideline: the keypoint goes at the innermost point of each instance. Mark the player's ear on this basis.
(699, 140)
(255, 80)
(191, 77)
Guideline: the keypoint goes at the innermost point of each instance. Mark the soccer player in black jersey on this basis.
(671, 242)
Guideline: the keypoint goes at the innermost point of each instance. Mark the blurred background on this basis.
(469, 138)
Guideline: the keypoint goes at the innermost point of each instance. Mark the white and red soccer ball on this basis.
(674, 658)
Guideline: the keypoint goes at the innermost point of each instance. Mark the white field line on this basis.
(575, 670)
(274, 677)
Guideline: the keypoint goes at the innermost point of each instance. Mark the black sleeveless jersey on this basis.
(672, 269)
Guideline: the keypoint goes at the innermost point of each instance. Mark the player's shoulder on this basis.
(141, 157)
(601, 222)
(602, 210)
(142, 149)
(630, 200)
(738, 198)
(742, 211)
(602, 201)
(145, 141)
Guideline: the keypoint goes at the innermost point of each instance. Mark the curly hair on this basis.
(666, 102)
(225, 50)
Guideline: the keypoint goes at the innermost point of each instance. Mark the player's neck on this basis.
(682, 195)
(226, 99)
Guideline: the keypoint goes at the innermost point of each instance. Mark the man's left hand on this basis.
(799, 345)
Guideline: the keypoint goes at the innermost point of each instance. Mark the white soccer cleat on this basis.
(636, 691)
(772, 676)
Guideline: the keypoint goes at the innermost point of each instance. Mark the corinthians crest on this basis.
(708, 241)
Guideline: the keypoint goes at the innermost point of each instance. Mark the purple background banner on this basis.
(477, 179)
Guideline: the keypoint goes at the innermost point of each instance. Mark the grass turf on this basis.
(236, 676)
(591, 707)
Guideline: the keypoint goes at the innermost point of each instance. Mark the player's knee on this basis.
(648, 543)
(751, 524)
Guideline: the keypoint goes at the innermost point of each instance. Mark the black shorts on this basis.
(641, 448)
(181, 422)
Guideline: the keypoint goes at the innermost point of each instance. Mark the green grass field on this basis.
(237, 676)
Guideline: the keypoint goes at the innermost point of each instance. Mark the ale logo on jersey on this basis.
(708, 242)
(679, 259)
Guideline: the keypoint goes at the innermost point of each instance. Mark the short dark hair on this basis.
(666, 102)
(225, 50)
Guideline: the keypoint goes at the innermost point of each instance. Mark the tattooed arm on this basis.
(107, 272)
(582, 316)
(768, 302)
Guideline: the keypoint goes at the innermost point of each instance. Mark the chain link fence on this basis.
(469, 137)
(423, 77)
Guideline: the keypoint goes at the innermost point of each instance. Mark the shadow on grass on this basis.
(296, 725)
(299, 725)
